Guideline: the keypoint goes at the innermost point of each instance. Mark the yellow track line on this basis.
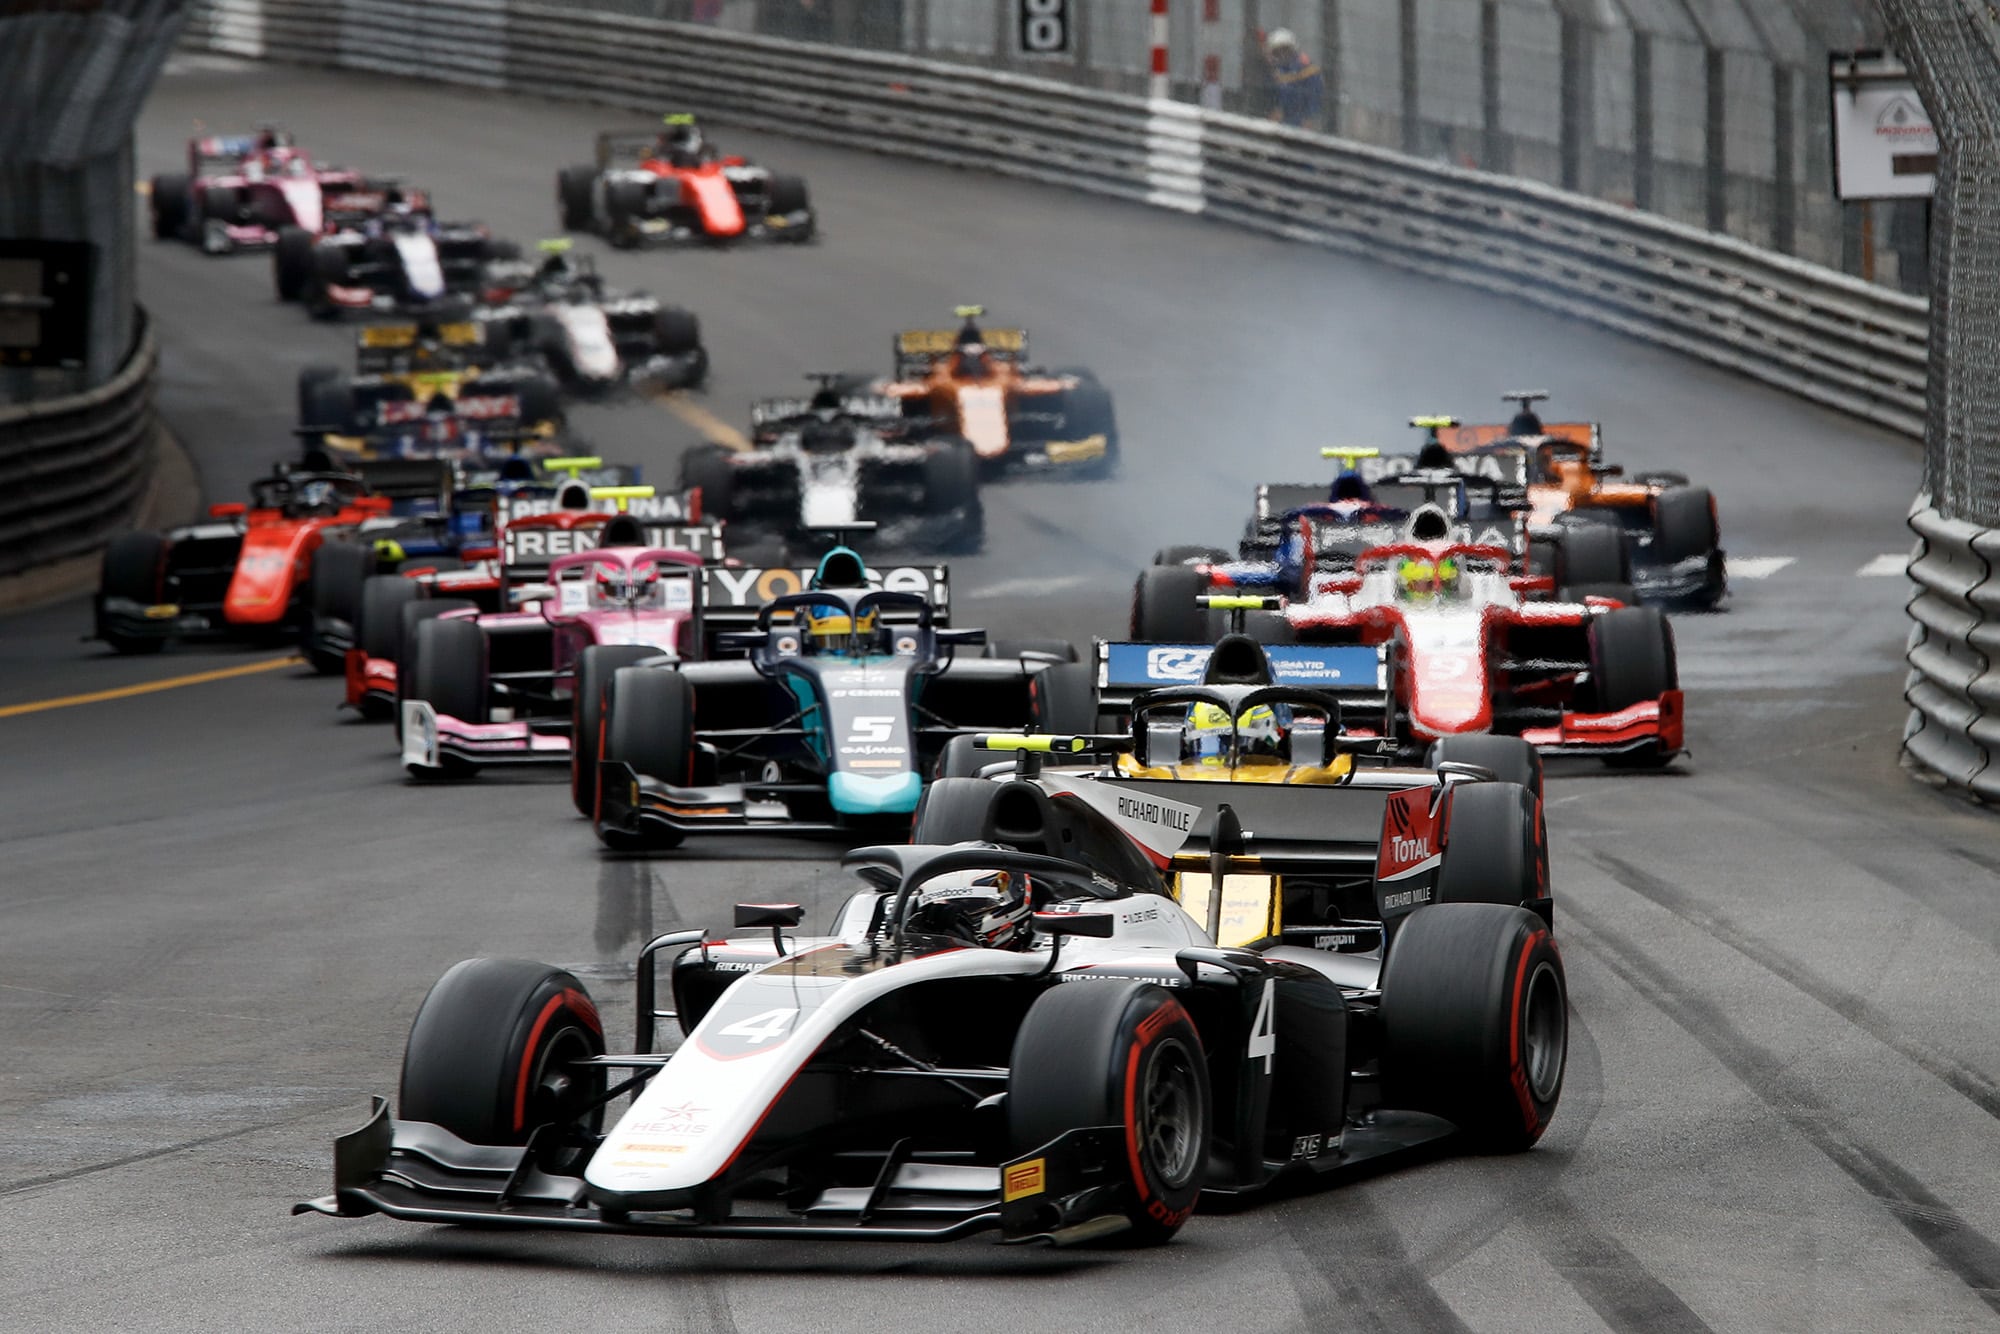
(148, 687)
(699, 417)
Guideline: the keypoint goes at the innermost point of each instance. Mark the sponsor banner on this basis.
(1329, 666)
(532, 546)
(1410, 845)
(1155, 823)
(752, 588)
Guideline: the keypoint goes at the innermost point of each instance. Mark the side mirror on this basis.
(1163, 744)
(768, 914)
(1096, 925)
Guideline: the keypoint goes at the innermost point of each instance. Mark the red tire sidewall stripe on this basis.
(577, 1001)
(1517, 1072)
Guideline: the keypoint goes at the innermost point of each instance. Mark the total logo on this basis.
(1411, 849)
(1176, 664)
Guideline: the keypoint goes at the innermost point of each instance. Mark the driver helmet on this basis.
(1350, 486)
(983, 908)
(626, 583)
(681, 143)
(1426, 580)
(831, 629)
(971, 361)
(317, 494)
(1260, 734)
(1525, 423)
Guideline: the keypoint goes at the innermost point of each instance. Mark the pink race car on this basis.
(241, 191)
(515, 686)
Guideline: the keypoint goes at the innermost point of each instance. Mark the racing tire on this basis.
(329, 269)
(953, 808)
(1494, 851)
(338, 571)
(292, 262)
(951, 477)
(1684, 518)
(1475, 1022)
(573, 187)
(1088, 411)
(540, 398)
(625, 202)
(649, 724)
(445, 666)
(677, 331)
(488, 1057)
(594, 667)
(1164, 609)
(1632, 661)
(326, 400)
(409, 616)
(1591, 553)
(707, 468)
(1191, 555)
(170, 201)
(1117, 1054)
(1059, 649)
(1063, 698)
(1541, 557)
(788, 194)
(1511, 759)
(379, 631)
(133, 566)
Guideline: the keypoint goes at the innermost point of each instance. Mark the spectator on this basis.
(1300, 87)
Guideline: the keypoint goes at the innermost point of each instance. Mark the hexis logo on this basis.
(1176, 664)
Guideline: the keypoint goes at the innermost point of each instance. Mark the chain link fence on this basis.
(1713, 114)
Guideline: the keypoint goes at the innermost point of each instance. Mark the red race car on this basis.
(246, 571)
(673, 186)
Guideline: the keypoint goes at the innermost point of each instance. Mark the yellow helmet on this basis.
(831, 629)
(1259, 734)
(1424, 580)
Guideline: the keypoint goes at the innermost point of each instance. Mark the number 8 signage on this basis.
(1044, 27)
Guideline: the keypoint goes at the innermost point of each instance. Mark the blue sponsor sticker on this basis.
(1328, 666)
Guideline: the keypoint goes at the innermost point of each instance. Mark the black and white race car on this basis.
(842, 459)
(592, 338)
(984, 1039)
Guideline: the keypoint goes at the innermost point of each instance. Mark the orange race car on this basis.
(977, 384)
(1670, 527)
(246, 571)
(653, 189)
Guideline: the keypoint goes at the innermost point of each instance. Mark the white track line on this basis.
(1888, 565)
(1757, 567)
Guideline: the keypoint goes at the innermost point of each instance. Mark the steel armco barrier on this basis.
(75, 467)
(1814, 332)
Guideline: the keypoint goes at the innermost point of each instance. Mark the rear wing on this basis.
(624, 148)
(733, 595)
(407, 479)
(672, 507)
(917, 350)
(526, 551)
(383, 349)
(770, 413)
(1359, 677)
(1463, 439)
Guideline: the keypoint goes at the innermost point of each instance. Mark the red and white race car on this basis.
(241, 191)
(1466, 642)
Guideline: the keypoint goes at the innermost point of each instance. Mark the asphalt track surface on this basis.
(222, 903)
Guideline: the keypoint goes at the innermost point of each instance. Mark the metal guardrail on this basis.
(1812, 331)
(74, 468)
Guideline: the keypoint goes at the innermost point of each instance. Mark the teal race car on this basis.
(843, 696)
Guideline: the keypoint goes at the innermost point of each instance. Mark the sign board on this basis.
(1044, 27)
(45, 303)
(1884, 146)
